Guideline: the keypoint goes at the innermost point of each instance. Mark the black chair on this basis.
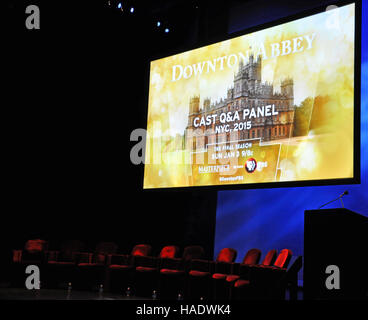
(60, 267)
(262, 279)
(33, 253)
(146, 275)
(220, 285)
(289, 281)
(173, 272)
(91, 267)
(120, 270)
(199, 276)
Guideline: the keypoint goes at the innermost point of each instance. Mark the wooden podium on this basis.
(335, 237)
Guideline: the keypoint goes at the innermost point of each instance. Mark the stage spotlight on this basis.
(158, 23)
(167, 30)
(131, 10)
(119, 5)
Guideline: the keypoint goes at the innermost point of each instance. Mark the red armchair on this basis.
(283, 259)
(61, 264)
(67, 253)
(200, 272)
(270, 258)
(244, 268)
(34, 252)
(173, 271)
(220, 280)
(120, 269)
(91, 267)
(99, 256)
(288, 281)
(263, 278)
(147, 271)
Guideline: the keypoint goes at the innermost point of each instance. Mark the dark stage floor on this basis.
(58, 294)
(50, 294)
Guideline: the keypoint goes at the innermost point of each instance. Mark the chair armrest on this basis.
(17, 255)
(121, 259)
(100, 258)
(52, 255)
(200, 265)
(235, 268)
(222, 267)
(265, 274)
(270, 268)
(277, 269)
(32, 257)
(145, 261)
(172, 263)
(83, 257)
(245, 269)
(185, 265)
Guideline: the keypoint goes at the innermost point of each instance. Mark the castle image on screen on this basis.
(247, 92)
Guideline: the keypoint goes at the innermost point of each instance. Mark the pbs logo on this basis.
(251, 165)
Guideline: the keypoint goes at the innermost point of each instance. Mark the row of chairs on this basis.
(196, 278)
(58, 267)
(103, 266)
(190, 275)
(253, 280)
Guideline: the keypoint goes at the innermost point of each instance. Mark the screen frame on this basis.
(356, 179)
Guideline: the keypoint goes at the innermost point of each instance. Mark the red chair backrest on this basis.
(226, 255)
(141, 250)
(35, 245)
(106, 247)
(252, 257)
(270, 258)
(70, 246)
(193, 252)
(169, 252)
(283, 259)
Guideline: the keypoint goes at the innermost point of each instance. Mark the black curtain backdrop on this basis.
(74, 91)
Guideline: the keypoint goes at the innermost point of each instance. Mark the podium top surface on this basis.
(336, 211)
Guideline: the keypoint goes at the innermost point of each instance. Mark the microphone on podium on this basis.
(346, 192)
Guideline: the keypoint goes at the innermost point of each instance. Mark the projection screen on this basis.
(271, 106)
